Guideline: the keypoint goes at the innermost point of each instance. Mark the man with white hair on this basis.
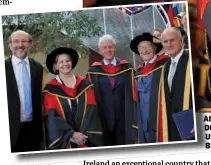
(24, 84)
(175, 112)
(115, 94)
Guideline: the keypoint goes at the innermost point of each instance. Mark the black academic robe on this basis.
(60, 122)
(153, 69)
(116, 103)
(13, 98)
(179, 99)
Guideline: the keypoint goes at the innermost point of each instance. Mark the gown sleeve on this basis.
(58, 131)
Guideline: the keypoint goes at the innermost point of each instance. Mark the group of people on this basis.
(112, 105)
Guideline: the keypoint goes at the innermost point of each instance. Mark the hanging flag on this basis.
(176, 9)
(170, 15)
(131, 10)
(201, 4)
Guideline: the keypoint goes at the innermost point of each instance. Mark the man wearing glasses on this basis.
(24, 83)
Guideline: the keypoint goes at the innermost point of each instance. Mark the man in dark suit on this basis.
(176, 84)
(115, 95)
(24, 85)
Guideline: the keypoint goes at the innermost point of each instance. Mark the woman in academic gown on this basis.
(70, 110)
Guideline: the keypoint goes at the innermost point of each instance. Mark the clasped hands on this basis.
(79, 138)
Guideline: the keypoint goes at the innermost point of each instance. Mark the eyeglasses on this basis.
(20, 41)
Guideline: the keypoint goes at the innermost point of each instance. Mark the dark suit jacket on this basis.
(174, 99)
(36, 70)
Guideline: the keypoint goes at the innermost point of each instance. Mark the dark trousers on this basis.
(27, 139)
(116, 136)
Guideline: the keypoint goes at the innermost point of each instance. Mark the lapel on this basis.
(118, 78)
(180, 70)
(79, 114)
(166, 72)
(33, 74)
(145, 86)
(107, 77)
(12, 83)
(11, 77)
(149, 81)
(140, 84)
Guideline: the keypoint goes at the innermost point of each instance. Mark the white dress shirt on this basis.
(176, 60)
(150, 61)
(17, 70)
(113, 62)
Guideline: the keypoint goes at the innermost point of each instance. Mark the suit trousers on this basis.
(27, 138)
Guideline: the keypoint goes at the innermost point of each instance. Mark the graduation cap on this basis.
(50, 60)
(145, 37)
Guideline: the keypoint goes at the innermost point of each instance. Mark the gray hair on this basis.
(106, 37)
(172, 29)
(22, 32)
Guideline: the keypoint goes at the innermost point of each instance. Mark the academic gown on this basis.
(179, 99)
(148, 79)
(60, 124)
(116, 103)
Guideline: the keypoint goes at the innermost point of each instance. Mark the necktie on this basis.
(145, 64)
(171, 74)
(111, 78)
(74, 108)
(26, 91)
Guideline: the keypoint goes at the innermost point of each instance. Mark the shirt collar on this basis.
(59, 80)
(177, 57)
(17, 60)
(106, 62)
(151, 61)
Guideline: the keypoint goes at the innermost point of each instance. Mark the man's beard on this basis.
(24, 51)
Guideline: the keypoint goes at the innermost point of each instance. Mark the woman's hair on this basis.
(56, 61)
